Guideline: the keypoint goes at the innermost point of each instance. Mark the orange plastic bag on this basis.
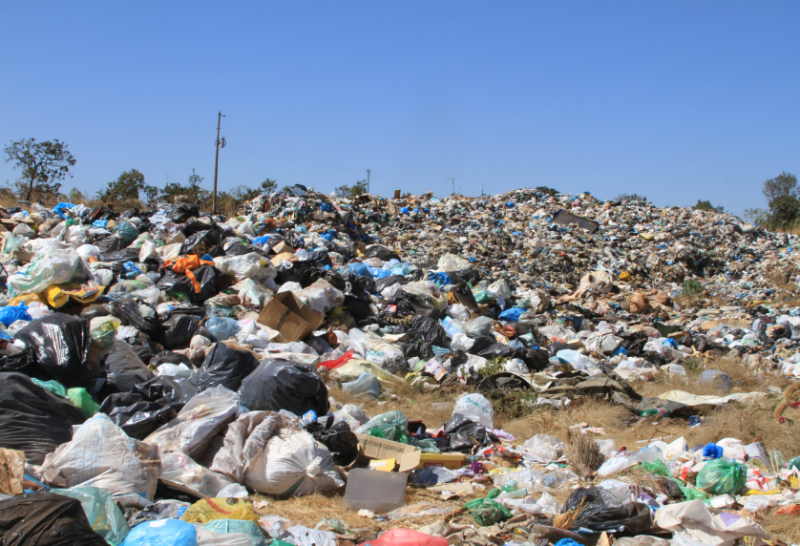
(187, 264)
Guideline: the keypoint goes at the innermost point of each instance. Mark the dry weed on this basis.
(583, 454)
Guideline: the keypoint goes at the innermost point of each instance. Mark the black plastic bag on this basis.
(135, 415)
(21, 362)
(94, 310)
(33, 419)
(465, 434)
(169, 357)
(340, 441)
(124, 368)
(381, 252)
(183, 212)
(224, 366)
(174, 391)
(280, 384)
(299, 272)
(45, 519)
(128, 312)
(109, 243)
(178, 331)
(602, 512)
(202, 242)
(397, 366)
(59, 344)
(146, 350)
(386, 282)
(361, 286)
(426, 329)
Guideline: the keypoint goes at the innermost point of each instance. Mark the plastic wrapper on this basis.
(100, 454)
(46, 269)
(225, 367)
(46, 519)
(392, 425)
(82, 400)
(104, 331)
(721, 476)
(279, 384)
(59, 344)
(543, 448)
(103, 514)
(202, 418)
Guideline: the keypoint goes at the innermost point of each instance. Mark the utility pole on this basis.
(453, 180)
(216, 166)
(368, 173)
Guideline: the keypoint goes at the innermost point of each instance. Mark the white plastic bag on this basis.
(247, 266)
(181, 472)
(476, 408)
(543, 448)
(46, 269)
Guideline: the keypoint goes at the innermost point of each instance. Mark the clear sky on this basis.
(676, 100)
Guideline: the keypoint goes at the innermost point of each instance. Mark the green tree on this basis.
(127, 187)
(269, 186)
(783, 203)
(783, 185)
(632, 198)
(345, 191)
(706, 205)
(76, 196)
(546, 190)
(43, 164)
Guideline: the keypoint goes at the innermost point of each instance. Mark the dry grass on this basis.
(782, 527)
(583, 454)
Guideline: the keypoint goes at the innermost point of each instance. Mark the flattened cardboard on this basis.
(370, 448)
(289, 316)
(453, 461)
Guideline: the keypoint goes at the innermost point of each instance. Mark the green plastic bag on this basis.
(721, 476)
(659, 468)
(103, 514)
(480, 296)
(392, 424)
(53, 386)
(487, 511)
(82, 400)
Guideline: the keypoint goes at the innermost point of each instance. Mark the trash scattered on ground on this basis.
(519, 369)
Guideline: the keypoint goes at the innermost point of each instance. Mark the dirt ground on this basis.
(748, 422)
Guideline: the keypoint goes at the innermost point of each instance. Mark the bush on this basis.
(633, 198)
(691, 288)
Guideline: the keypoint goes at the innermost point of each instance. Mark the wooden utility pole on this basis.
(216, 167)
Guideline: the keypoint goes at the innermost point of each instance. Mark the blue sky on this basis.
(675, 100)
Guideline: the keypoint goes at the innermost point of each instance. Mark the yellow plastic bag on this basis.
(58, 295)
(206, 510)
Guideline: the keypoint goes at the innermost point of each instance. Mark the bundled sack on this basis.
(603, 512)
(202, 418)
(224, 366)
(45, 519)
(102, 455)
(124, 368)
(270, 453)
(33, 419)
(59, 344)
(280, 384)
(47, 268)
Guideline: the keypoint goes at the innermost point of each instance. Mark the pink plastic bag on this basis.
(406, 537)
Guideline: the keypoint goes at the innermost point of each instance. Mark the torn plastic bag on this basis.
(59, 344)
(181, 213)
(211, 282)
(465, 434)
(103, 514)
(47, 268)
(248, 266)
(124, 368)
(279, 384)
(135, 415)
(175, 392)
(179, 330)
(202, 242)
(45, 519)
(100, 454)
(222, 328)
(33, 419)
(224, 366)
(181, 472)
(477, 408)
(22, 362)
(202, 418)
(338, 438)
(270, 453)
(603, 512)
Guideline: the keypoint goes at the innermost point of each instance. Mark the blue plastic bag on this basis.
(100, 223)
(511, 314)
(162, 532)
(12, 313)
(359, 269)
(440, 279)
(61, 208)
(222, 328)
(261, 240)
(712, 451)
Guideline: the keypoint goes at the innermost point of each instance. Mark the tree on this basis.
(345, 191)
(783, 185)
(633, 198)
(193, 191)
(76, 196)
(706, 205)
(127, 188)
(43, 164)
(546, 190)
(783, 202)
(269, 186)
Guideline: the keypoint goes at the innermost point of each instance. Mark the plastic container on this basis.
(374, 490)
(366, 384)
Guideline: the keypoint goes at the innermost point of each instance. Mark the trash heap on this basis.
(170, 377)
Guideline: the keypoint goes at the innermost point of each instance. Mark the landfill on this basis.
(530, 368)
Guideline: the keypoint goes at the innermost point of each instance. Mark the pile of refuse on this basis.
(169, 376)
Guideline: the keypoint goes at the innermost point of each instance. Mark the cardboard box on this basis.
(370, 448)
(289, 316)
(453, 461)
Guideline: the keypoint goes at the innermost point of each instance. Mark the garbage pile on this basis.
(170, 377)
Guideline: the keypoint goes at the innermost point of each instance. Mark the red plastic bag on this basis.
(406, 537)
(341, 361)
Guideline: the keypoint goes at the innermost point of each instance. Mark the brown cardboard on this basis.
(289, 316)
(370, 447)
(447, 460)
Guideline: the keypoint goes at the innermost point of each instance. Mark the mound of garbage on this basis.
(170, 376)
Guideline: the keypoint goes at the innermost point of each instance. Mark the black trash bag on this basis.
(169, 357)
(210, 279)
(481, 343)
(397, 366)
(46, 519)
(465, 434)
(128, 312)
(320, 258)
(426, 329)
(120, 256)
(135, 415)
(464, 296)
(391, 280)
(146, 350)
(177, 331)
(109, 243)
(59, 344)
(602, 512)
(32, 419)
(298, 190)
(21, 362)
(224, 366)
(497, 350)
(340, 441)
(423, 307)
(361, 286)
(358, 309)
(94, 310)
(202, 242)
(336, 280)
(195, 310)
(299, 272)
(174, 391)
(183, 212)
(381, 252)
(124, 368)
(536, 359)
(279, 384)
